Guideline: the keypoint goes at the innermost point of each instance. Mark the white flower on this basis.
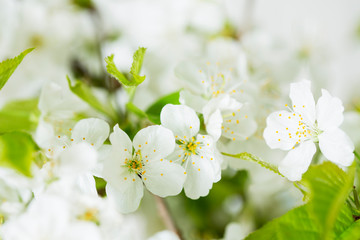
(126, 171)
(48, 217)
(74, 156)
(205, 81)
(196, 152)
(227, 117)
(304, 125)
(223, 72)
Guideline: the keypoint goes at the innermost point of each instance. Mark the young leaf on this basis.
(17, 151)
(297, 224)
(325, 216)
(19, 115)
(85, 93)
(330, 187)
(134, 79)
(138, 59)
(112, 69)
(353, 232)
(8, 66)
(154, 110)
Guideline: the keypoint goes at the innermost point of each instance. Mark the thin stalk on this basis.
(356, 198)
(166, 216)
(357, 155)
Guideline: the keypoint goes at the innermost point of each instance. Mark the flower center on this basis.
(91, 215)
(135, 164)
(190, 147)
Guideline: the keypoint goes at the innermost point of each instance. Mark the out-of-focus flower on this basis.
(74, 156)
(304, 125)
(196, 152)
(126, 171)
(48, 218)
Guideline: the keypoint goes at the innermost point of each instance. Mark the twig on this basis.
(166, 216)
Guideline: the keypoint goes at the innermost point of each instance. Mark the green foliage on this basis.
(17, 151)
(330, 187)
(134, 109)
(133, 79)
(153, 112)
(138, 59)
(325, 216)
(8, 66)
(249, 157)
(84, 92)
(19, 115)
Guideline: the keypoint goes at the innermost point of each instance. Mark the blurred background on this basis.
(283, 40)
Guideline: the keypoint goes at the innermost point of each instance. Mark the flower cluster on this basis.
(186, 126)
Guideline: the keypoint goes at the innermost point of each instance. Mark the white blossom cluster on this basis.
(230, 92)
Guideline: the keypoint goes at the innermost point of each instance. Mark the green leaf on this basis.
(133, 79)
(19, 115)
(353, 232)
(85, 93)
(330, 187)
(325, 216)
(8, 66)
(249, 157)
(17, 151)
(154, 110)
(295, 224)
(138, 59)
(112, 69)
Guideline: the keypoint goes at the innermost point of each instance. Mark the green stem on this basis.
(166, 216)
(356, 198)
(357, 155)
(249, 157)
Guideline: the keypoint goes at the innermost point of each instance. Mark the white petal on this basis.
(86, 184)
(209, 153)
(190, 75)
(44, 135)
(224, 102)
(337, 146)
(114, 165)
(121, 141)
(241, 126)
(54, 98)
(200, 177)
(278, 127)
(77, 159)
(180, 119)
(164, 178)
(128, 195)
(196, 102)
(297, 161)
(227, 106)
(103, 153)
(214, 123)
(303, 101)
(329, 111)
(155, 142)
(92, 130)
